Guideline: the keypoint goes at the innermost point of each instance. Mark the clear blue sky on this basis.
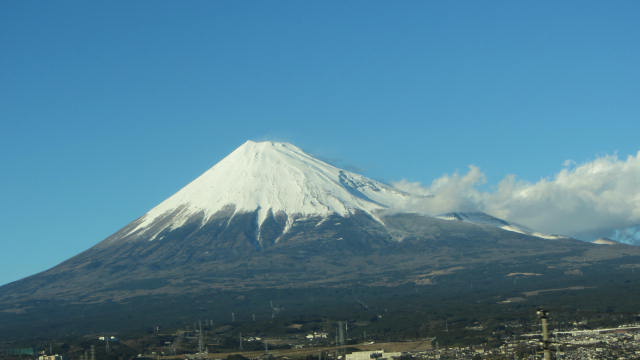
(107, 108)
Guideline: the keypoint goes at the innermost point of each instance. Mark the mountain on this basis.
(272, 220)
(486, 219)
(277, 181)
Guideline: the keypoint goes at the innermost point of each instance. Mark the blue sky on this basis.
(107, 108)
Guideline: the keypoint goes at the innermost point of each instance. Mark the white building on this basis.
(375, 355)
(317, 335)
(50, 357)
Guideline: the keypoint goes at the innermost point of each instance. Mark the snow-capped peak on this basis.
(273, 177)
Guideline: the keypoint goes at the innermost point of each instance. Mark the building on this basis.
(50, 357)
(376, 355)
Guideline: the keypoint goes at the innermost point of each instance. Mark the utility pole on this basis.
(543, 315)
(200, 338)
(346, 329)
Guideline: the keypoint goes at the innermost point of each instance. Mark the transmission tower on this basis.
(543, 315)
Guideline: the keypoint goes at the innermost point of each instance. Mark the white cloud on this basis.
(580, 199)
(448, 193)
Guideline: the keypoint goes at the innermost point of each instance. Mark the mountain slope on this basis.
(486, 219)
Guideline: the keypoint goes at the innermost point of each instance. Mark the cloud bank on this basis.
(590, 199)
